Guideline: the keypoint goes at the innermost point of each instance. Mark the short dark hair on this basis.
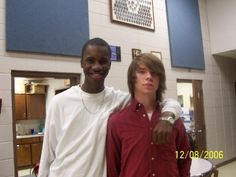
(97, 42)
(155, 65)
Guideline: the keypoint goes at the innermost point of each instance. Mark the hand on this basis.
(162, 132)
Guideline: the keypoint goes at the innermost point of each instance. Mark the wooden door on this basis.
(36, 152)
(200, 129)
(20, 107)
(23, 155)
(190, 96)
(36, 106)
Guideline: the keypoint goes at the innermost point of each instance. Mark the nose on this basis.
(97, 66)
(148, 75)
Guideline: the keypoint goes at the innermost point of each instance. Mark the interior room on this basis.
(40, 56)
(32, 96)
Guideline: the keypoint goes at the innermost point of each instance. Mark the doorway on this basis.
(31, 93)
(190, 97)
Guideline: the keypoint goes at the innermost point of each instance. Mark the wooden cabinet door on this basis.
(23, 155)
(20, 107)
(36, 106)
(36, 152)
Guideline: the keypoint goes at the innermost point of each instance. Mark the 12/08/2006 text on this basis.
(200, 154)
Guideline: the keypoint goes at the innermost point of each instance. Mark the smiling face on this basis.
(96, 64)
(147, 82)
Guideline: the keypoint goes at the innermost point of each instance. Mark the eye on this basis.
(104, 61)
(89, 60)
(141, 71)
(153, 73)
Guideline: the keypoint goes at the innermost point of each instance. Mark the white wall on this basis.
(222, 26)
(185, 90)
(218, 78)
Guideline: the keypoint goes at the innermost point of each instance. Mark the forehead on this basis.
(141, 65)
(96, 49)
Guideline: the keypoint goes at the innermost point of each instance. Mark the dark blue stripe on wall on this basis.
(185, 34)
(47, 26)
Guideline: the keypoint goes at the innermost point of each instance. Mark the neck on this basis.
(148, 101)
(93, 89)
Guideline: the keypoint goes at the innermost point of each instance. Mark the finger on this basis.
(155, 137)
(164, 138)
(160, 137)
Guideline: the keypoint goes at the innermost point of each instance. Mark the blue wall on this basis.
(47, 26)
(185, 34)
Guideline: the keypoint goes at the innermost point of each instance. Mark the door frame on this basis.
(74, 80)
(198, 104)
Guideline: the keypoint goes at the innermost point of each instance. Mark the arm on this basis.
(171, 105)
(123, 99)
(163, 129)
(49, 142)
(113, 150)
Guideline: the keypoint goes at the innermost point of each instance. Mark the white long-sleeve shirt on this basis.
(75, 132)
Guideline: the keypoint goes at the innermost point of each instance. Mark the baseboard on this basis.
(225, 162)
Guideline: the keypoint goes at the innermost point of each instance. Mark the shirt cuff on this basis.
(171, 105)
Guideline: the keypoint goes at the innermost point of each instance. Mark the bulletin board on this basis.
(138, 13)
(58, 27)
(185, 34)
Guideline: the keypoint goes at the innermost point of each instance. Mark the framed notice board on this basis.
(185, 34)
(47, 26)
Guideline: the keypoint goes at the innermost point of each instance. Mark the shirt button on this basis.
(151, 143)
(144, 115)
(153, 158)
(153, 174)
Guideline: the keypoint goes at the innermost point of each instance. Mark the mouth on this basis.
(96, 76)
(148, 86)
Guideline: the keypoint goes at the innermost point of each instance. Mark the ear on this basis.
(81, 63)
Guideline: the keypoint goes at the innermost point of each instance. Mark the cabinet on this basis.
(28, 151)
(23, 155)
(30, 106)
(36, 149)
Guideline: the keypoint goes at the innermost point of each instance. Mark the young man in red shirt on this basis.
(131, 151)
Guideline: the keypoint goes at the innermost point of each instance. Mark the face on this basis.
(96, 65)
(147, 82)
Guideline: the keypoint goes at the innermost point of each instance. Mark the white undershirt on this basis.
(149, 115)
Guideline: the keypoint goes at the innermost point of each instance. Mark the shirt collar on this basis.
(136, 106)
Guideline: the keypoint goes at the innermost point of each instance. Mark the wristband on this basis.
(168, 118)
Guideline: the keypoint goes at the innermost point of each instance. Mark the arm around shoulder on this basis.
(169, 114)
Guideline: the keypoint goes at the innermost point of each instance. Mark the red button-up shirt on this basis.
(131, 151)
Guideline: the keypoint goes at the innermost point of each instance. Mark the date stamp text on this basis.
(200, 154)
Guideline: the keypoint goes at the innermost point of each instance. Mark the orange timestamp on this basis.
(200, 154)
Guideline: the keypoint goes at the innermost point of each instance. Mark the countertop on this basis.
(29, 136)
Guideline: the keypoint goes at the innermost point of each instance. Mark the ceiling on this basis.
(228, 54)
